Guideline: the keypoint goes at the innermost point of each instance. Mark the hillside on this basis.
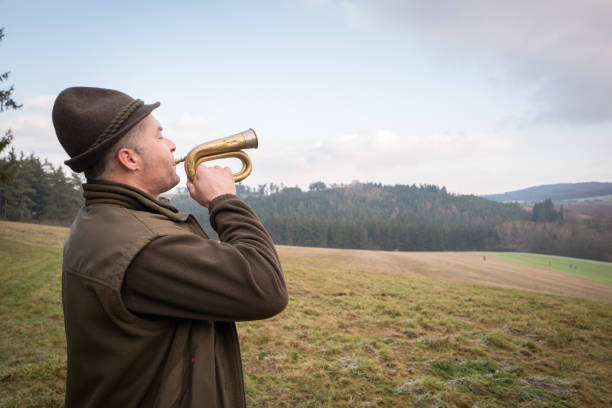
(470, 267)
(375, 216)
(556, 192)
(419, 218)
(362, 329)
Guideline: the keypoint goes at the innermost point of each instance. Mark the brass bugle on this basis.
(221, 149)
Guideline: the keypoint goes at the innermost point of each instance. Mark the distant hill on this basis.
(556, 192)
(416, 218)
(374, 216)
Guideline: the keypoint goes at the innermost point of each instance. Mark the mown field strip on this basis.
(595, 270)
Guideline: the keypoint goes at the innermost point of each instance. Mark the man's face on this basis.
(158, 173)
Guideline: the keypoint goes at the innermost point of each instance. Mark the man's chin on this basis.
(174, 183)
(171, 185)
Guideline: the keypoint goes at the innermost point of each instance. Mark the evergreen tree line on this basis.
(9, 164)
(546, 212)
(356, 216)
(413, 218)
(376, 235)
(374, 216)
(571, 237)
(36, 191)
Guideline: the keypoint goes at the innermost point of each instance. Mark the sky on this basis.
(478, 96)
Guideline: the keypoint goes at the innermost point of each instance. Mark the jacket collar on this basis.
(108, 192)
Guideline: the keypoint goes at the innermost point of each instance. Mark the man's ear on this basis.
(129, 159)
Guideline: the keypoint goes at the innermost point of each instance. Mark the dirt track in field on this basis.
(460, 266)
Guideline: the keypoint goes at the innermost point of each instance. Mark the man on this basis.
(149, 301)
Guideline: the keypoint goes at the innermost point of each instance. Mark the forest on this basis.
(34, 190)
(421, 218)
(355, 216)
(373, 216)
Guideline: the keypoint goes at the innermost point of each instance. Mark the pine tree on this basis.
(7, 165)
(545, 211)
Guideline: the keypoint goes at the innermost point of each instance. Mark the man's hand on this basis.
(211, 182)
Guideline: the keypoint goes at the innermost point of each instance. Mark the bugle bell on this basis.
(221, 149)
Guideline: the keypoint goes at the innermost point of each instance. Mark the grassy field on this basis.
(32, 352)
(598, 198)
(363, 333)
(597, 271)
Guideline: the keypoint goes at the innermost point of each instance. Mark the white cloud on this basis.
(384, 156)
(464, 162)
(392, 149)
(33, 130)
(560, 46)
(192, 124)
(41, 103)
(189, 130)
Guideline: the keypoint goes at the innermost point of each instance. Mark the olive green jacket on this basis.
(150, 302)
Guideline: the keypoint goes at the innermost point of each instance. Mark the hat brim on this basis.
(87, 159)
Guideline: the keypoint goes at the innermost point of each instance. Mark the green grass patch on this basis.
(33, 345)
(594, 270)
(455, 369)
(590, 199)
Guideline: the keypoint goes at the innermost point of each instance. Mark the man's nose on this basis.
(171, 145)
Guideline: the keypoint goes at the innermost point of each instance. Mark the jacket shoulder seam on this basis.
(89, 278)
(152, 229)
(138, 218)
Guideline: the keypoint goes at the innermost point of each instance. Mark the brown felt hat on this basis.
(88, 121)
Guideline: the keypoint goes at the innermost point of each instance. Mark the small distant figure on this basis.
(484, 258)
(571, 266)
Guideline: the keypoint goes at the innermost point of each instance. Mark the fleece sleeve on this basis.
(192, 277)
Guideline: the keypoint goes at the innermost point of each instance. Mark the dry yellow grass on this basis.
(35, 234)
(369, 329)
(460, 266)
(362, 329)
